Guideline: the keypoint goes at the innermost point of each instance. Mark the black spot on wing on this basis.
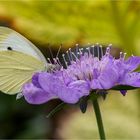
(9, 48)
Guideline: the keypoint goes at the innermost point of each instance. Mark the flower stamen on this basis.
(59, 61)
(75, 56)
(81, 51)
(98, 51)
(65, 62)
(59, 50)
(108, 50)
(69, 59)
(49, 60)
(93, 49)
(122, 55)
(101, 51)
(70, 54)
(88, 50)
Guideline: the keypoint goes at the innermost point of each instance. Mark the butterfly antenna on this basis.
(50, 50)
(58, 51)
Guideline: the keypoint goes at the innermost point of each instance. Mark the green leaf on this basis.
(56, 109)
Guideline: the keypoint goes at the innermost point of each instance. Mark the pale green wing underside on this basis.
(17, 68)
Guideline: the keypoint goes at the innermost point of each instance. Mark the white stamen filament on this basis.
(108, 50)
(98, 52)
(88, 49)
(58, 61)
(49, 60)
(77, 51)
(68, 56)
(59, 50)
(63, 56)
(81, 51)
(78, 54)
(70, 52)
(122, 55)
(125, 55)
(55, 61)
(101, 51)
(93, 49)
(74, 56)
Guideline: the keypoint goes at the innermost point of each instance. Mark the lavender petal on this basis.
(35, 95)
(35, 80)
(131, 79)
(132, 63)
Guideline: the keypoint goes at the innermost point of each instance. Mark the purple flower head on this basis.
(83, 73)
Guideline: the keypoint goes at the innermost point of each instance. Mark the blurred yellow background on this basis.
(70, 22)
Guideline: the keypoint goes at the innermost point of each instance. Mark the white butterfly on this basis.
(19, 60)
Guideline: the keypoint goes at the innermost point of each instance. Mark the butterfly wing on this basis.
(18, 64)
(17, 68)
(14, 40)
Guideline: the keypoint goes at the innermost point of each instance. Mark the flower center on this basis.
(83, 61)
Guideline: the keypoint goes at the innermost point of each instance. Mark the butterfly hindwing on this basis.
(16, 69)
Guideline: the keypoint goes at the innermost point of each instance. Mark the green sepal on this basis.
(56, 109)
(83, 104)
(93, 95)
(123, 87)
(102, 93)
(104, 96)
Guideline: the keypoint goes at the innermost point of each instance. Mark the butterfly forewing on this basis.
(14, 40)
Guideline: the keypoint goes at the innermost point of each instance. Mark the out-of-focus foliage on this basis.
(19, 120)
(70, 22)
(81, 21)
(120, 117)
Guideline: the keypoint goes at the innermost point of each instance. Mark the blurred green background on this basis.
(69, 22)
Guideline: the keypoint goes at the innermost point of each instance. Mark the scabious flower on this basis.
(84, 73)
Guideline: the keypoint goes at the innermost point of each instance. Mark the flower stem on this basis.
(99, 119)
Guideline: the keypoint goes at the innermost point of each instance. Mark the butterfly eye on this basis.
(9, 48)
